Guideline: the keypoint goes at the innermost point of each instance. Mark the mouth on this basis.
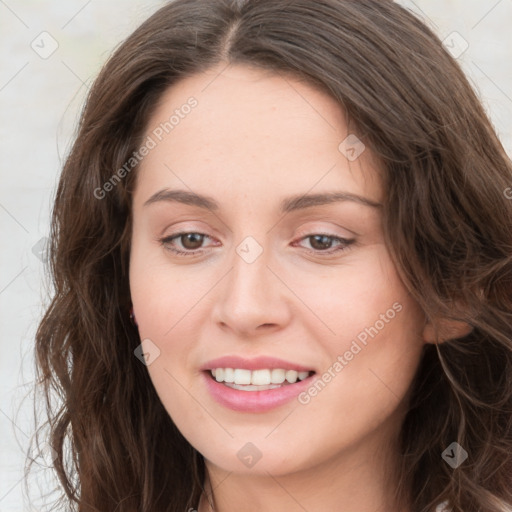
(263, 379)
(255, 385)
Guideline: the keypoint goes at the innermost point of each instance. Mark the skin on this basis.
(253, 139)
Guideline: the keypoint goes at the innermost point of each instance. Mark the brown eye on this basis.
(324, 244)
(320, 242)
(185, 243)
(191, 241)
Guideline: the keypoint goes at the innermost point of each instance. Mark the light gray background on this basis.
(40, 99)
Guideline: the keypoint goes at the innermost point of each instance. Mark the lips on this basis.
(255, 385)
(257, 363)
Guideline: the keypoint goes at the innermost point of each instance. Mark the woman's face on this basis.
(277, 280)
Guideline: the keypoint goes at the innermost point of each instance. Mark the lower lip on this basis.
(254, 401)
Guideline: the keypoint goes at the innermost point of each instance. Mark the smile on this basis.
(257, 380)
(254, 385)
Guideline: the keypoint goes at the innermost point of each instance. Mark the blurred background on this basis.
(50, 53)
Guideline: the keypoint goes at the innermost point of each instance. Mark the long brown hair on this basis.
(447, 221)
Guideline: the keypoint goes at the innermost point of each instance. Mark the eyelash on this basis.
(344, 243)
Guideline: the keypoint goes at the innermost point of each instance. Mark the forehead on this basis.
(253, 132)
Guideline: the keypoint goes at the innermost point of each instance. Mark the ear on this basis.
(445, 329)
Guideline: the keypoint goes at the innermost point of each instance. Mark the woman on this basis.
(282, 250)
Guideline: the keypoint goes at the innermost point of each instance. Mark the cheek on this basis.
(362, 390)
(169, 308)
(374, 344)
(352, 296)
(164, 295)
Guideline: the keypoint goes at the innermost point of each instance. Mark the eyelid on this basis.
(317, 230)
(185, 226)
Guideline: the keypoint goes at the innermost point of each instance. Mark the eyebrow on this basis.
(290, 204)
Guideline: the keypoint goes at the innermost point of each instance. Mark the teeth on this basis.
(241, 376)
(229, 375)
(277, 376)
(260, 377)
(291, 376)
(264, 378)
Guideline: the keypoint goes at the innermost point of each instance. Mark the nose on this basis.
(252, 298)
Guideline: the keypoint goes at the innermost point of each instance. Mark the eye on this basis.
(190, 243)
(323, 242)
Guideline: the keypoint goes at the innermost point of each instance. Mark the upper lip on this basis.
(256, 363)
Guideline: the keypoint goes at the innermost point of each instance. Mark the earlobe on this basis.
(444, 330)
(132, 317)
